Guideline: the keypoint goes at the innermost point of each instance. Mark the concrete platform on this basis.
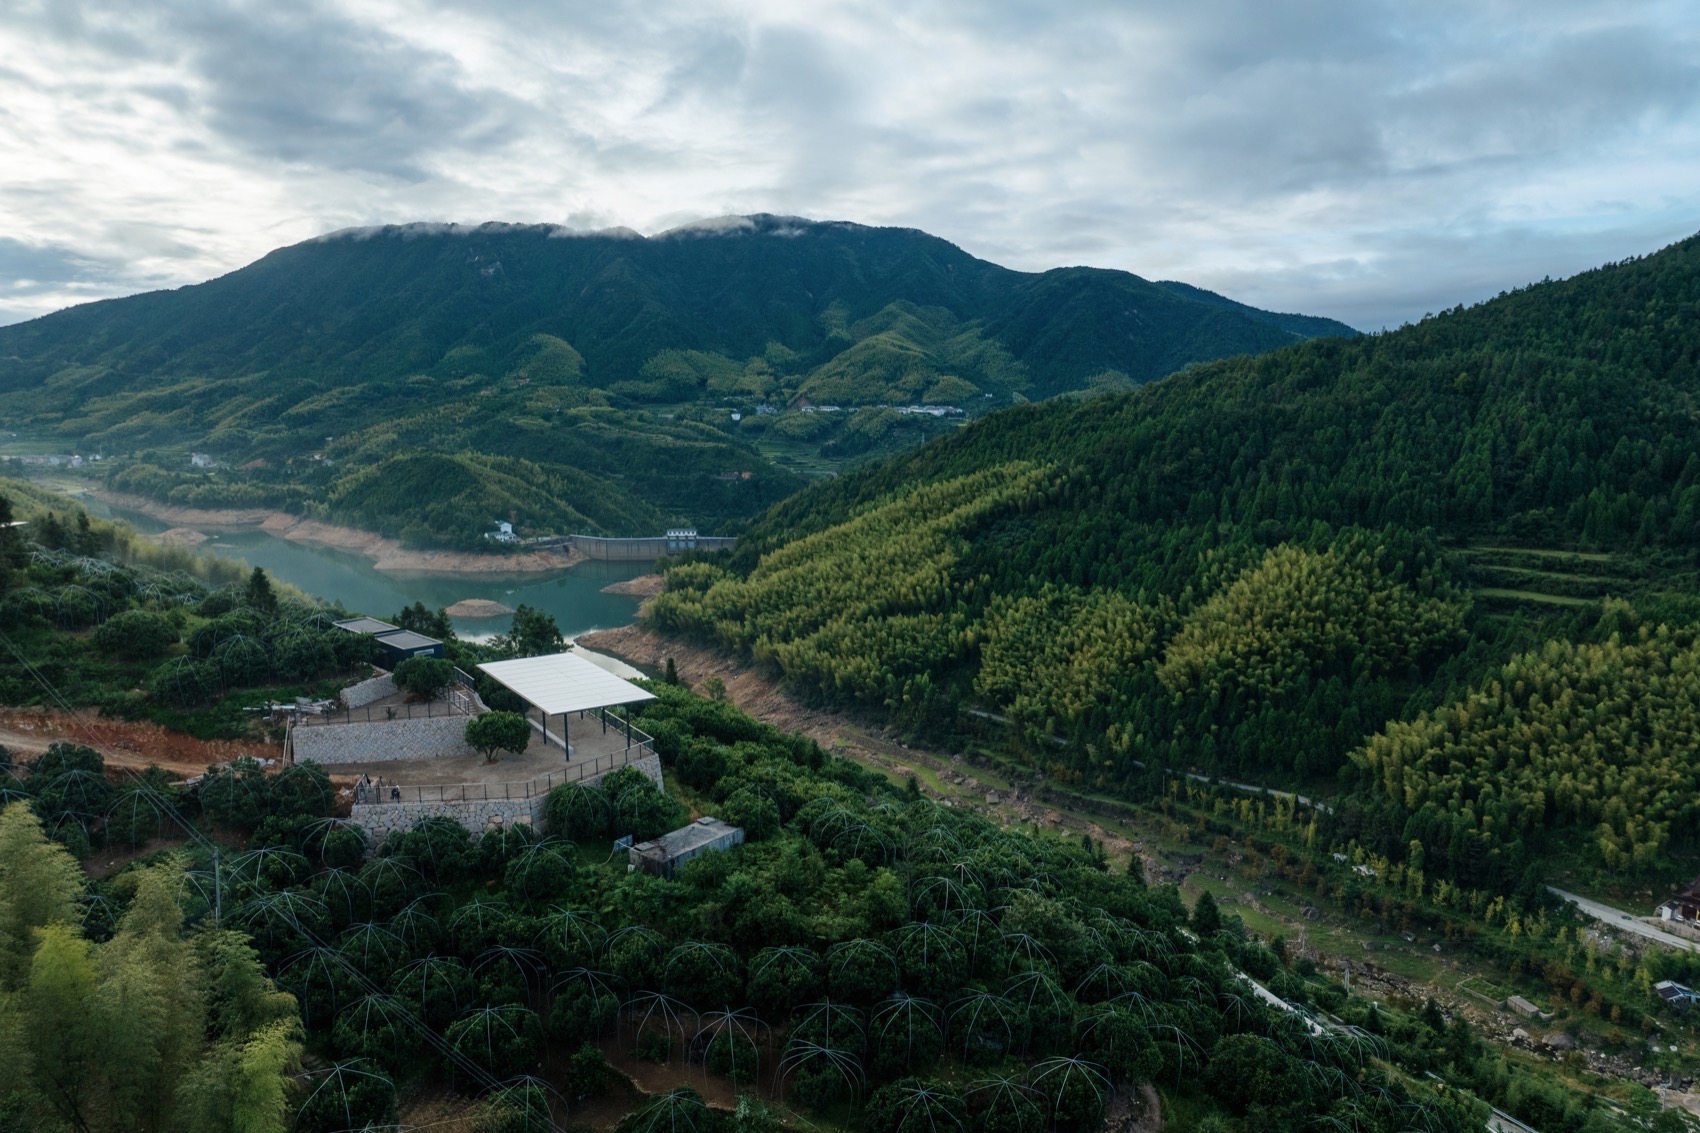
(396, 706)
(594, 752)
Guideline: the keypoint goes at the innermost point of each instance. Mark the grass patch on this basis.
(1543, 553)
(1480, 987)
(1407, 963)
(1517, 572)
(1494, 593)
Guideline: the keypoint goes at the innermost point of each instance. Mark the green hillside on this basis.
(1257, 565)
(611, 360)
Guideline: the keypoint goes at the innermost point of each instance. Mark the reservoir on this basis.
(573, 596)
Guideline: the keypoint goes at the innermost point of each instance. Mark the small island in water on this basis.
(478, 608)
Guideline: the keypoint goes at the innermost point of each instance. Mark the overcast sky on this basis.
(1369, 161)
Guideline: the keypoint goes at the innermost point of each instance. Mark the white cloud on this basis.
(1366, 160)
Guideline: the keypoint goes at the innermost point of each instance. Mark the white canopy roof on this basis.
(561, 683)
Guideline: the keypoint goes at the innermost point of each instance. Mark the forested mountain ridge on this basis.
(620, 366)
(1256, 564)
(446, 301)
(1503, 418)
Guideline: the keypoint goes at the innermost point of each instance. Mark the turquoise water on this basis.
(573, 596)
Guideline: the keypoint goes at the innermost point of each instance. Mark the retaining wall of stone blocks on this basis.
(369, 691)
(382, 819)
(331, 744)
(649, 765)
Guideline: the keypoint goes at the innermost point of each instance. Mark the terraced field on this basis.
(1508, 578)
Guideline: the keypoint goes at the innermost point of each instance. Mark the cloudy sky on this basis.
(1370, 161)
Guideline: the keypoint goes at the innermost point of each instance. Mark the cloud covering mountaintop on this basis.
(1366, 161)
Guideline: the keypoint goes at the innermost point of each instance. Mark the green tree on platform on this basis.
(490, 732)
(424, 677)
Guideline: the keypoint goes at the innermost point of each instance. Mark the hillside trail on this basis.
(944, 776)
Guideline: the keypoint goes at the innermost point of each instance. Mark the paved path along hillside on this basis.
(1628, 922)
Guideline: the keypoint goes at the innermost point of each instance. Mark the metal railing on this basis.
(620, 724)
(380, 792)
(454, 702)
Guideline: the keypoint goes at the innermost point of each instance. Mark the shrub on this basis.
(582, 1012)
(1248, 1070)
(439, 848)
(424, 677)
(541, 873)
(755, 812)
(655, 1046)
(183, 683)
(490, 732)
(587, 1072)
(353, 1095)
(733, 1055)
(503, 1041)
(136, 634)
(238, 794)
(579, 811)
(307, 655)
(640, 807)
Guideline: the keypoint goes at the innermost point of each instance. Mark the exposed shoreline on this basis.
(386, 554)
(643, 586)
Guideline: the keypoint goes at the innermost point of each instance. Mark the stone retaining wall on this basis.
(380, 740)
(650, 765)
(477, 815)
(383, 819)
(369, 692)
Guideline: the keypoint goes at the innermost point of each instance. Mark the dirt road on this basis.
(27, 732)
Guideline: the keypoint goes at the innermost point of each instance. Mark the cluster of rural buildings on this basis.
(411, 760)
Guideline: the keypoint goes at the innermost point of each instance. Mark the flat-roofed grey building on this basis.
(394, 644)
(398, 645)
(366, 625)
(666, 854)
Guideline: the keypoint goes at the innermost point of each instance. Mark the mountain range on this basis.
(609, 361)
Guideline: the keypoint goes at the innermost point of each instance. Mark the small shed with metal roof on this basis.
(664, 855)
